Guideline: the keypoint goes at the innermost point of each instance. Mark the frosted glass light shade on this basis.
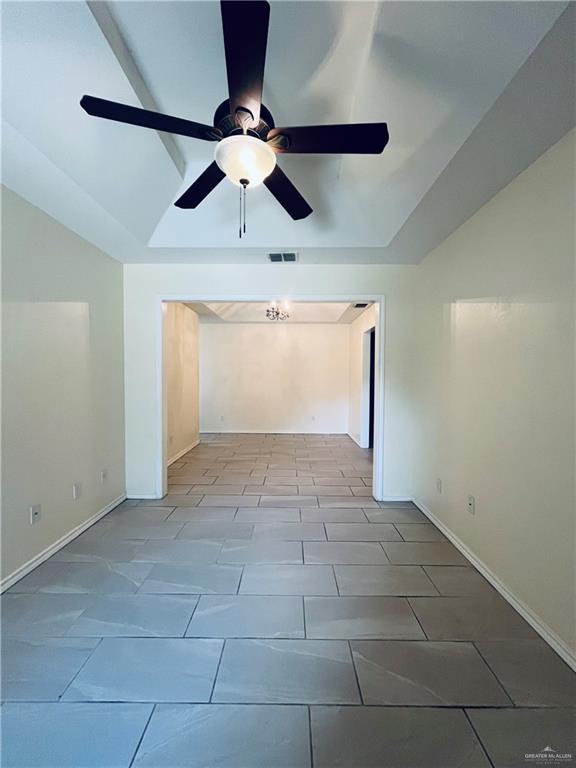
(245, 157)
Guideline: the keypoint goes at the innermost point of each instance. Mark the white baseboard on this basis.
(23, 570)
(270, 432)
(182, 452)
(546, 633)
(356, 440)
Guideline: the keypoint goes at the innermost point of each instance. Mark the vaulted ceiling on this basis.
(472, 93)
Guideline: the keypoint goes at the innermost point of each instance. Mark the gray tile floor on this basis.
(268, 613)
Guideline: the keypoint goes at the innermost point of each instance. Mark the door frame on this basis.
(379, 457)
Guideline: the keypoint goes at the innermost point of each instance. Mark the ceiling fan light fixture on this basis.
(245, 159)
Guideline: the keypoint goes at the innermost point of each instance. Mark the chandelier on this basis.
(274, 312)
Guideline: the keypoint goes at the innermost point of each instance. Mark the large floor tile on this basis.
(196, 552)
(290, 531)
(517, 738)
(103, 577)
(225, 500)
(286, 671)
(344, 553)
(469, 618)
(388, 737)
(40, 669)
(361, 532)
(41, 615)
(216, 529)
(148, 670)
(138, 515)
(425, 673)
(383, 580)
(347, 502)
(531, 672)
(288, 580)
(247, 616)
(201, 514)
(427, 553)
(286, 501)
(192, 580)
(90, 551)
(173, 500)
(166, 530)
(271, 489)
(267, 515)
(135, 616)
(324, 490)
(396, 515)
(226, 736)
(261, 552)
(71, 735)
(361, 618)
(419, 532)
(218, 490)
(325, 515)
(459, 580)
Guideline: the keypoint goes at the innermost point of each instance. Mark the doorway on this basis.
(371, 370)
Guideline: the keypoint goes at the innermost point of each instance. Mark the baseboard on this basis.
(355, 440)
(268, 432)
(182, 452)
(23, 570)
(539, 626)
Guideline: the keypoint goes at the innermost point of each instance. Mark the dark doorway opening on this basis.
(372, 387)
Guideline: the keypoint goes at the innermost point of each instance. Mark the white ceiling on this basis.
(255, 312)
(442, 74)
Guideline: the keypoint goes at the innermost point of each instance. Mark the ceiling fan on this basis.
(248, 140)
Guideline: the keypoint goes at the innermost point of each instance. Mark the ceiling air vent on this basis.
(276, 258)
(360, 306)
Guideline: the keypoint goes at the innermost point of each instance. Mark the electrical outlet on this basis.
(103, 476)
(439, 485)
(76, 491)
(35, 512)
(471, 505)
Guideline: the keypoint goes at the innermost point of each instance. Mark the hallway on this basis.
(269, 613)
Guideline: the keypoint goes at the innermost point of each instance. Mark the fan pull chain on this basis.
(242, 223)
(240, 216)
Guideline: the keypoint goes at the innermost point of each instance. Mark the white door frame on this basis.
(161, 481)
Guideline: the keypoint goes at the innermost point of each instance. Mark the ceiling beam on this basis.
(115, 40)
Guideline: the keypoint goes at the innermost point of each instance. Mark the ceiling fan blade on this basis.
(123, 113)
(245, 27)
(358, 138)
(287, 194)
(201, 188)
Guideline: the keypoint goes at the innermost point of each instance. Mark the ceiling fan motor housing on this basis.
(228, 123)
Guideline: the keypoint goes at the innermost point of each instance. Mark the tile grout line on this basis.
(217, 670)
(141, 739)
(477, 735)
(310, 742)
(349, 643)
(86, 660)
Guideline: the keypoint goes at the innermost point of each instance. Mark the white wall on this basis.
(62, 374)
(357, 402)
(495, 388)
(145, 285)
(181, 371)
(257, 377)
